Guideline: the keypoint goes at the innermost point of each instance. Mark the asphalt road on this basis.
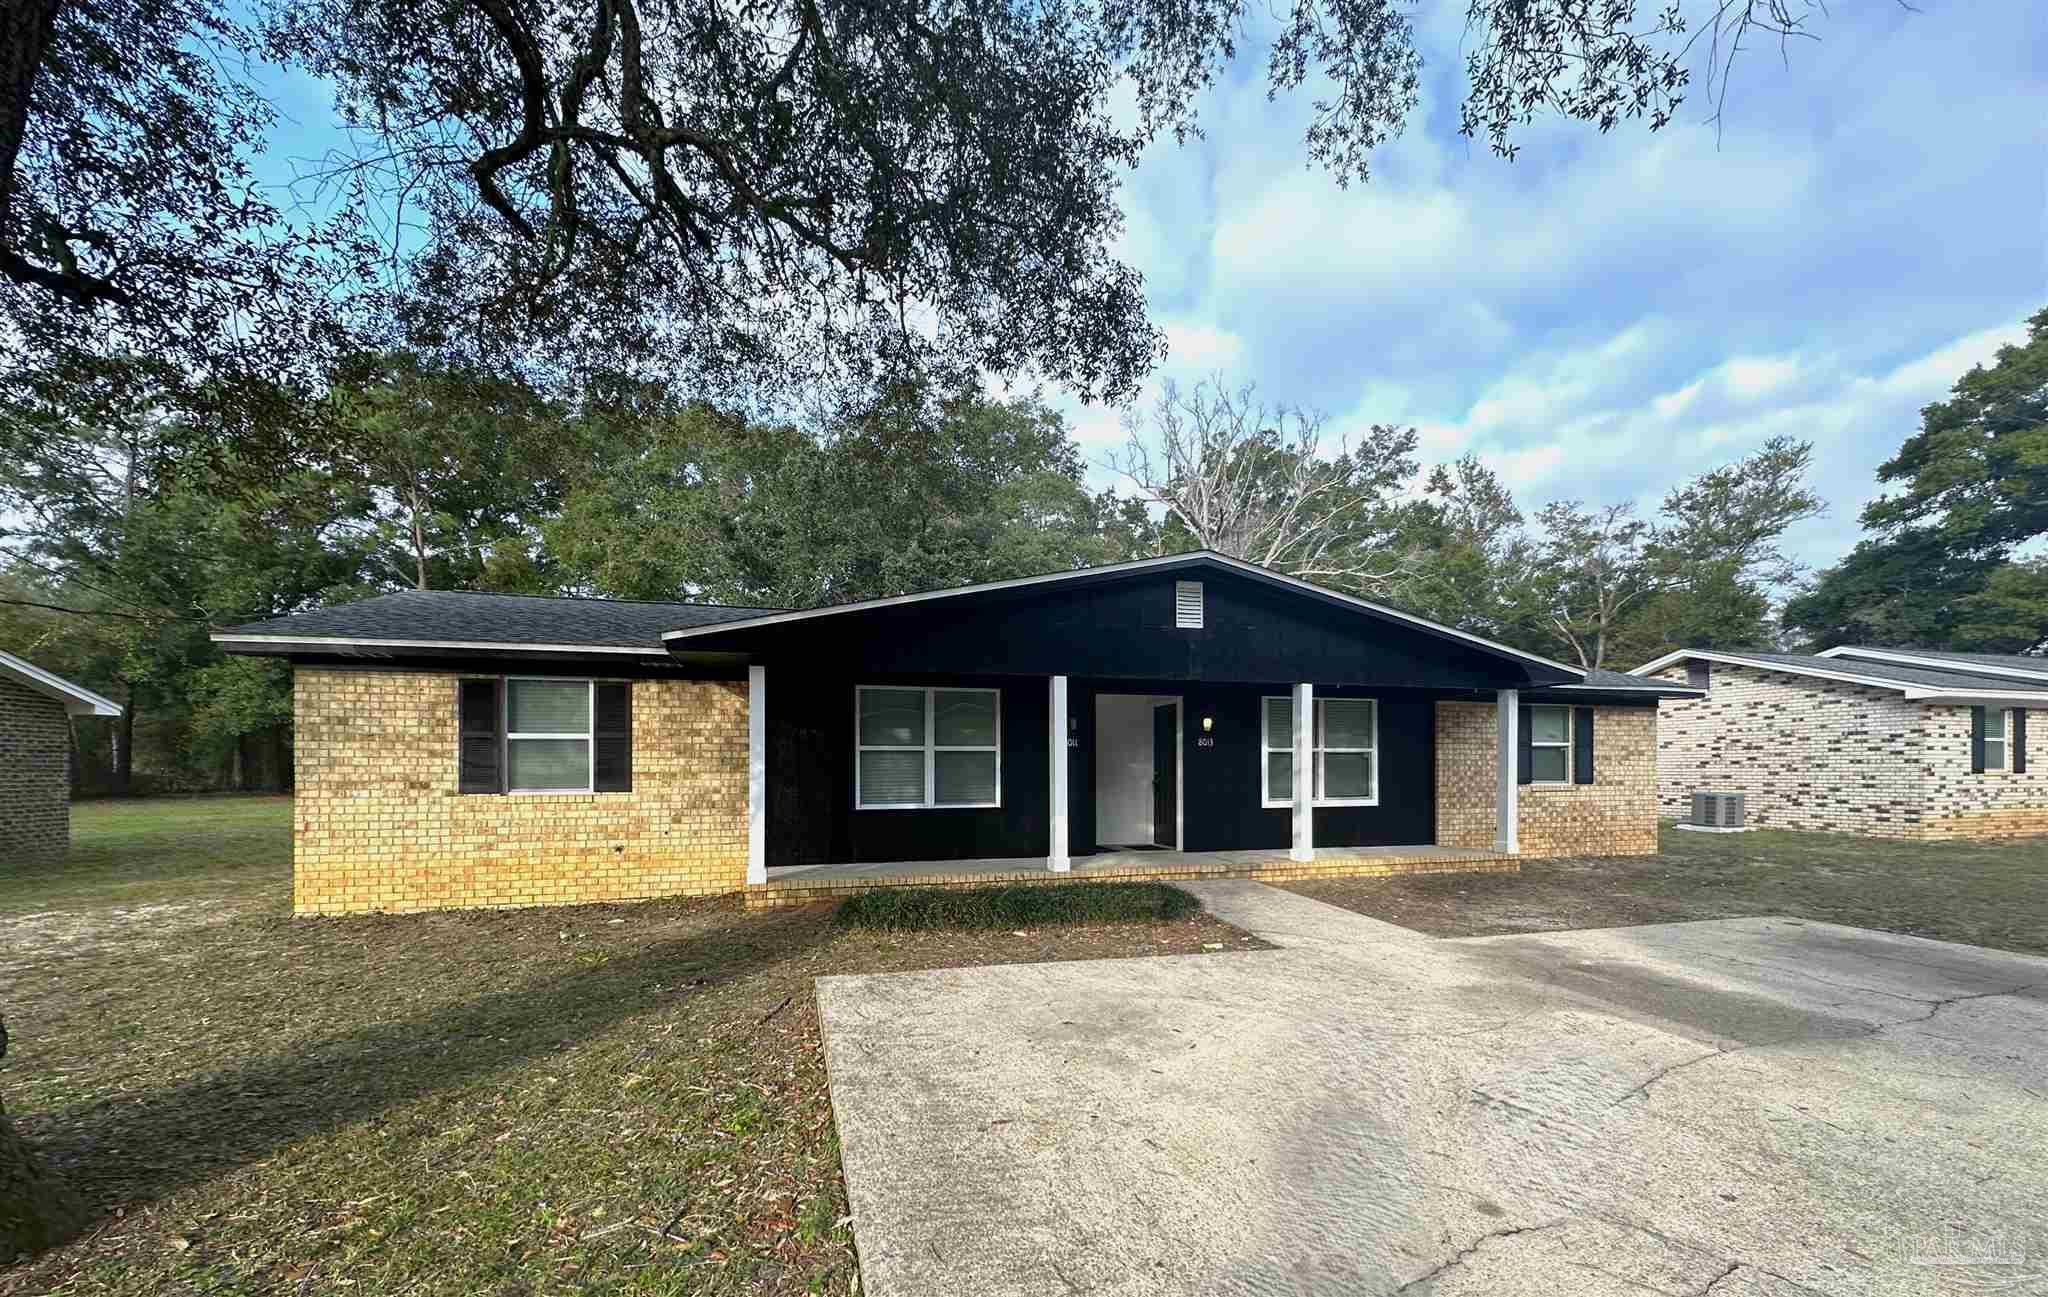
(1743, 1107)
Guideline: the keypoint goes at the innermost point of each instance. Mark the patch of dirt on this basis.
(27, 940)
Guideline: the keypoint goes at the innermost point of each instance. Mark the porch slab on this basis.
(805, 884)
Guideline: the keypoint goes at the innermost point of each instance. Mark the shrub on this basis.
(1016, 906)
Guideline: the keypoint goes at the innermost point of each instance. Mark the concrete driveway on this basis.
(1747, 1107)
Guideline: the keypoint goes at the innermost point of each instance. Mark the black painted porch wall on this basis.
(812, 820)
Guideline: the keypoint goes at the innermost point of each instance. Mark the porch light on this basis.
(1208, 724)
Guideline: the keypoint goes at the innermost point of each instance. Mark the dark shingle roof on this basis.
(2004, 661)
(1899, 673)
(461, 616)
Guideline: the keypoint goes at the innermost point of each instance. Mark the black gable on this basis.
(1122, 624)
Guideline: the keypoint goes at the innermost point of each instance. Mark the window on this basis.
(1345, 758)
(1997, 736)
(547, 735)
(1550, 745)
(926, 747)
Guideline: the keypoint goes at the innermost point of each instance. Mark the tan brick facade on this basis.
(379, 824)
(35, 784)
(1615, 815)
(1840, 757)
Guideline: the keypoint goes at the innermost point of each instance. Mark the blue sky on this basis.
(1609, 315)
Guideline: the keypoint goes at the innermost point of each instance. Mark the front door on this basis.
(1165, 774)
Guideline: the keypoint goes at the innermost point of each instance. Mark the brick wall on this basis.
(35, 785)
(1957, 803)
(1843, 758)
(1806, 753)
(379, 824)
(1615, 815)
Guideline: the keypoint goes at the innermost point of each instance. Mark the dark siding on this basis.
(811, 816)
(1124, 630)
(811, 819)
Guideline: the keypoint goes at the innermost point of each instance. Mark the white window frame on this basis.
(2004, 742)
(1317, 752)
(930, 747)
(1569, 738)
(589, 734)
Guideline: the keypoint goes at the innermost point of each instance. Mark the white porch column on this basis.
(757, 774)
(1304, 773)
(1056, 735)
(1507, 722)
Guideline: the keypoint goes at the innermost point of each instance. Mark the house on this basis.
(36, 708)
(1902, 743)
(1170, 717)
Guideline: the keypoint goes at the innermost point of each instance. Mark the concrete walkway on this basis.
(1757, 1106)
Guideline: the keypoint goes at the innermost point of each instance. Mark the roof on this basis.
(77, 700)
(1191, 561)
(1923, 681)
(2012, 665)
(462, 619)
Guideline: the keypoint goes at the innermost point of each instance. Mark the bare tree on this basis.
(1258, 481)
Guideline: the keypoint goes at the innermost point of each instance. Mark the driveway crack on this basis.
(1464, 1254)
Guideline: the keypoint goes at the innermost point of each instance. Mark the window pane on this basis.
(1994, 754)
(892, 717)
(1547, 765)
(964, 776)
(963, 719)
(548, 763)
(1347, 723)
(1548, 724)
(1347, 774)
(1279, 776)
(892, 778)
(548, 706)
(1279, 722)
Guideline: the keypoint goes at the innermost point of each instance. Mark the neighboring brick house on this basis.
(1899, 743)
(36, 708)
(1191, 715)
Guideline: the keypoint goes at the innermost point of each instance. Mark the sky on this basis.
(1609, 315)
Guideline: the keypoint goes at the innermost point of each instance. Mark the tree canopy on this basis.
(1941, 567)
(779, 196)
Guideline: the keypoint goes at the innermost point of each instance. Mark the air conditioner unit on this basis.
(1716, 813)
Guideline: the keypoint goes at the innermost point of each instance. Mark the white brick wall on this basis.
(1839, 757)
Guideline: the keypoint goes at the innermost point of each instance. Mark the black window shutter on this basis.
(1582, 745)
(483, 749)
(1524, 760)
(2019, 740)
(612, 737)
(1976, 740)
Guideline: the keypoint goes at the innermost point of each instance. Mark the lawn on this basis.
(596, 1098)
(1988, 893)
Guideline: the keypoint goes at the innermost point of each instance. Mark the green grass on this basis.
(626, 1098)
(1983, 893)
(153, 850)
(903, 909)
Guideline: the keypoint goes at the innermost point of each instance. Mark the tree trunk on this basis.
(124, 754)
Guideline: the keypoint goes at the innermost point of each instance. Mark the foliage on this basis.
(1255, 481)
(785, 195)
(915, 493)
(1939, 569)
(454, 464)
(902, 908)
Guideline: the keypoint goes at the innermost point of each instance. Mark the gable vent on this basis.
(1187, 605)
